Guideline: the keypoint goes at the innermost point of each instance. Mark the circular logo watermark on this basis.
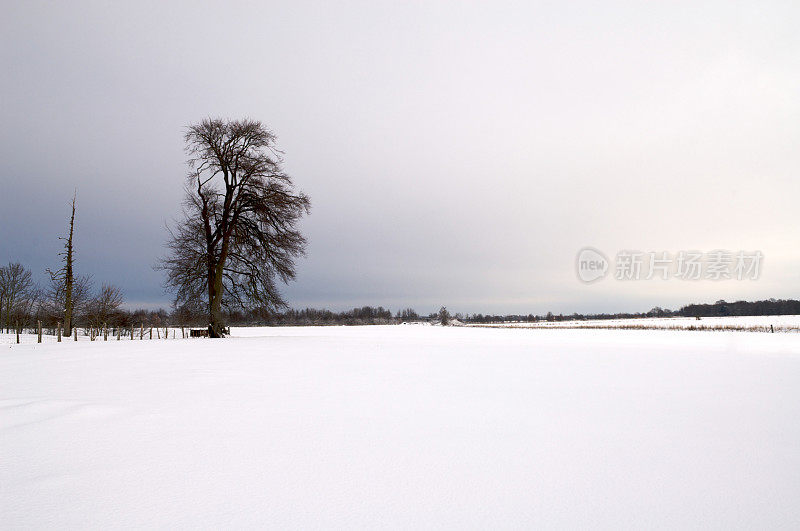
(591, 265)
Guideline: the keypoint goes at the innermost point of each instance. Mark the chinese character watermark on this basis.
(717, 265)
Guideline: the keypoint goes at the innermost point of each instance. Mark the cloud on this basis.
(455, 154)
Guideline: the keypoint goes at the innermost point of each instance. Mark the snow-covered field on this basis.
(404, 427)
(780, 323)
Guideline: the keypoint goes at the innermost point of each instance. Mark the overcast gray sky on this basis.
(455, 153)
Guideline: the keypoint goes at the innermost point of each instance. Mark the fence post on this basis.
(105, 332)
(151, 332)
(166, 332)
(17, 327)
(39, 326)
(141, 332)
(131, 332)
(59, 331)
(119, 333)
(75, 332)
(183, 333)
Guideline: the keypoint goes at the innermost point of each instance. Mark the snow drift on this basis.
(403, 427)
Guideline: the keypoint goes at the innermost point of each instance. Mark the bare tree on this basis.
(239, 230)
(105, 305)
(443, 316)
(3, 290)
(17, 291)
(66, 275)
(55, 298)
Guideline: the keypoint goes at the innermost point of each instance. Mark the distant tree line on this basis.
(739, 308)
(365, 315)
(23, 303)
(550, 316)
(718, 309)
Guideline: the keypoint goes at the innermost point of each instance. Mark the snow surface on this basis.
(781, 323)
(404, 427)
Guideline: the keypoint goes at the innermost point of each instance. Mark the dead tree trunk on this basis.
(69, 279)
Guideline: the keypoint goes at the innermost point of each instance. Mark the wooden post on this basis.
(141, 332)
(59, 331)
(166, 332)
(158, 331)
(39, 326)
(131, 332)
(772, 330)
(75, 331)
(183, 333)
(17, 327)
(119, 333)
(151, 332)
(105, 332)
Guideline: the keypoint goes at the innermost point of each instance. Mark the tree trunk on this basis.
(216, 323)
(68, 277)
